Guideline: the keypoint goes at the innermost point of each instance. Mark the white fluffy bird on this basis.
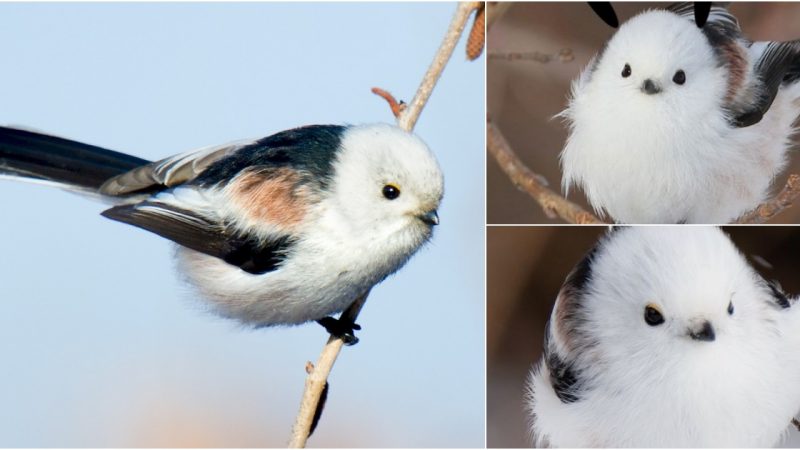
(281, 230)
(672, 123)
(666, 337)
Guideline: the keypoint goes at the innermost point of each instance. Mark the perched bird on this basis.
(666, 337)
(673, 123)
(281, 230)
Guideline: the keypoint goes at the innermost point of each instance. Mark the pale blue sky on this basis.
(103, 345)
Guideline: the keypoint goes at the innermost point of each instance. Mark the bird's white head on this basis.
(387, 186)
(658, 66)
(665, 289)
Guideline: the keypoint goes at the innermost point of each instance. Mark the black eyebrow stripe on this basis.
(605, 11)
(701, 12)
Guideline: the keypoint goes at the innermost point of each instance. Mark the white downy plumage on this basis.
(674, 155)
(611, 379)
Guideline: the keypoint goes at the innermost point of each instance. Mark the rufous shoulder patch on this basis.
(274, 197)
(737, 67)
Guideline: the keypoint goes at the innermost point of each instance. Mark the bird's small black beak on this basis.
(650, 87)
(703, 332)
(430, 217)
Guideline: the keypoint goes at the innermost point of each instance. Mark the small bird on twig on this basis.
(281, 230)
(667, 337)
(681, 118)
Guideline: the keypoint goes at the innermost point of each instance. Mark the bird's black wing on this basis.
(777, 296)
(779, 63)
(716, 15)
(201, 234)
(563, 376)
(311, 149)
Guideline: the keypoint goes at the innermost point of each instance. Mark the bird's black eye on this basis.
(652, 315)
(391, 191)
(730, 308)
(626, 71)
(680, 77)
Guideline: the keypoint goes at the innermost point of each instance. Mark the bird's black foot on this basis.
(342, 329)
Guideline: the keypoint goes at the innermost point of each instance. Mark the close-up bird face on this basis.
(388, 185)
(658, 61)
(667, 293)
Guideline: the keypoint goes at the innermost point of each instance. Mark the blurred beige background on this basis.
(525, 269)
(523, 96)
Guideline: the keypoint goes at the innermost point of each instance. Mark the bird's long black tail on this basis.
(31, 155)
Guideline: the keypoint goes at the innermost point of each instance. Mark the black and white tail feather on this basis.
(38, 157)
(124, 180)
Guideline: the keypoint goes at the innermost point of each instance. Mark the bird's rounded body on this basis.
(675, 154)
(611, 380)
(276, 231)
(328, 267)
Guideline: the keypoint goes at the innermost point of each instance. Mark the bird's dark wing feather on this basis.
(778, 64)
(310, 149)
(198, 233)
(779, 297)
(168, 172)
(718, 14)
(746, 105)
(563, 377)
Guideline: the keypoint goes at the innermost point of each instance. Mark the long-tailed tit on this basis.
(666, 337)
(281, 230)
(671, 122)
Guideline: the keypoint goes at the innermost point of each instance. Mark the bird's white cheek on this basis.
(408, 232)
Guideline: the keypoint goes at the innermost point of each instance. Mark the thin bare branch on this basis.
(775, 205)
(553, 204)
(317, 378)
(409, 117)
(318, 374)
(564, 55)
